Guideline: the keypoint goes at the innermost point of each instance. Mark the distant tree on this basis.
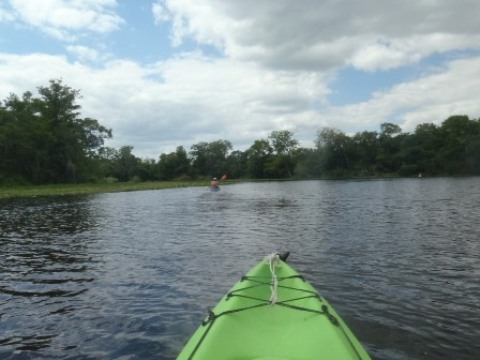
(257, 156)
(125, 164)
(366, 150)
(145, 170)
(460, 138)
(336, 148)
(472, 154)
(236, 164)
(284, 146)
(283, 142)
(389, 130)
(44, 140)
(209, 158)
(183, 167)
(23, 139)
(419, 151)
(307, 163)
(389, 151)
(174, 165)
(106, 161)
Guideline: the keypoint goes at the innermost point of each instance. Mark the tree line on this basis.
(44, 140)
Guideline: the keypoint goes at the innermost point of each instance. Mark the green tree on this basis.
(46, 138)
(60, 112)
(146, 170)
(236, 164)
(419, 151)
(106, 161)
(389, 158)
(257, 156)
(174, 165)
(307, 163)
(366, 150)
(125, 164)
(472, 153)
(459, 137)
(284, 146)
(22, 140)
(336, 148)
(283, 142)
(209, 158)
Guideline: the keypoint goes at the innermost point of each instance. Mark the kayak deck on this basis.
(299, 325)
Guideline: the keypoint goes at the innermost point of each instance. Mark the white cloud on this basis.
(5, 15)
(160, 13)
(189, 99)
(387, 54)
(202, 20)
(84, 53)
(278, 60)
(198, 99)
(326, 35)
(66, 19)
(432, 98)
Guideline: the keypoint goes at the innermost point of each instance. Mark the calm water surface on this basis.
(131, 275)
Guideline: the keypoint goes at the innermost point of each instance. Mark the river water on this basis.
(131, 275)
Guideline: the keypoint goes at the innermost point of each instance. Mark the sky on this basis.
(165, 73)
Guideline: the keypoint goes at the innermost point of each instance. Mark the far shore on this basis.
(99, 188)
(91, 188)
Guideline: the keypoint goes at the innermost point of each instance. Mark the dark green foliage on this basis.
(281, 165)
(209, 159)
(174, 165)
(459, 136)
(44, 140)
(236, 164)
(125, 164)
(258, 155)
(366, 148)
(450, 149)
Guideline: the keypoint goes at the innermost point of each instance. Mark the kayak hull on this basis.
(246, 325)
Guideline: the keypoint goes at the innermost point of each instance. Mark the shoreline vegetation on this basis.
(28, 191)
(43, 140)
(93, 188)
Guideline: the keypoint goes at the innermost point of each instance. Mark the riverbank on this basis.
(106, 187)
(96, 188)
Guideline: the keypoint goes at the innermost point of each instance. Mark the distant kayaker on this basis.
(214, 183)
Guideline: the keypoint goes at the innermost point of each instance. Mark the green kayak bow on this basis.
(273, 313)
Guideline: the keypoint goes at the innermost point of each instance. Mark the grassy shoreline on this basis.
(88, 189)
(99, 188)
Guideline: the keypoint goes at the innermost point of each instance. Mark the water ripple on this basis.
(123, 276)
